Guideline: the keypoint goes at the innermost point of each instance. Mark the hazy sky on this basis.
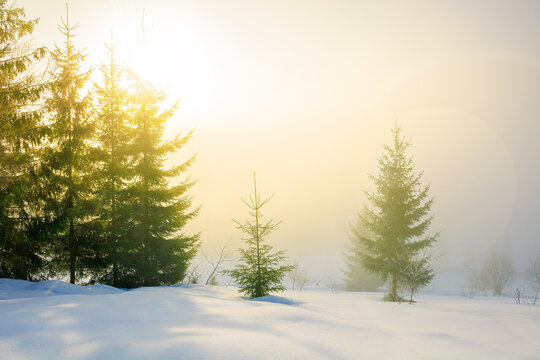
(306, 92)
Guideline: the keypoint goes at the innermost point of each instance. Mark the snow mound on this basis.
(15, 289)
(277, 300)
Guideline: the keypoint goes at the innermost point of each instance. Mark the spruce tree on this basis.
(69, 161)
(260, 271)
(21, 133)
(113, 171)
(357, 278)
(159, 252)
(398, 219)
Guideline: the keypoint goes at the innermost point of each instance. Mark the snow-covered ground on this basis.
(55, 320)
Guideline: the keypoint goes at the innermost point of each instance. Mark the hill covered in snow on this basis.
(56, 320)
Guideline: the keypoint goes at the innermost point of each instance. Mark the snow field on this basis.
(55, 320)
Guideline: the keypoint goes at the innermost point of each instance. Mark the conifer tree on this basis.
(69, 160)
(159, 251)
(398, 219)
(260, 271)
(21, 132)
(357, 277)
(113, 171)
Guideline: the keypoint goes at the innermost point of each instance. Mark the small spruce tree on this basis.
(398, 219)
(260, 271)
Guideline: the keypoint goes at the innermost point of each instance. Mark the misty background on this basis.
(305, 94)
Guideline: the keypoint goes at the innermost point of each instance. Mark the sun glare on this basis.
(175, 56)
(146, 61)
(145, 58)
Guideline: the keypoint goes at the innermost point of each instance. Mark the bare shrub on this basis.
(193, 274)
(332, 285)
(533, 274)
(298, 277)
(496, 273)
(302, 279)
(415, 274)
(222, 257)
(517, 296)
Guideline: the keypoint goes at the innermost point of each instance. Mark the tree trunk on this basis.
(72, 257)
(258, 291)
(115, 274)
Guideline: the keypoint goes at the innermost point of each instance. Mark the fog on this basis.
(305, 94)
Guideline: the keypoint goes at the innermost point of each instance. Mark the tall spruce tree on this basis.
(21, 132)
(398, 220)
(69, 161)
(260, 271)
(159, 252)
(113, 169)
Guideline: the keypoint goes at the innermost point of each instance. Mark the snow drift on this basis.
(55, 320)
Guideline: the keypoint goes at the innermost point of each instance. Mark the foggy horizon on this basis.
(306, 94)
